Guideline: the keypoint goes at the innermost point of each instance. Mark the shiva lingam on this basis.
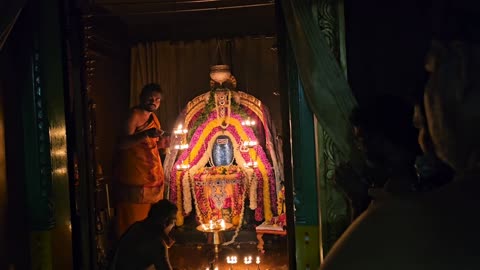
(215, 227)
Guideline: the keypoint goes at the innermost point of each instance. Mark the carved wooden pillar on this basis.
(333, 205)
(104, 97)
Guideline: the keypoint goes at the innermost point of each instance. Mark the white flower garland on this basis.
(253, 190)
(250, 183)
(188, 184)
(240, 221)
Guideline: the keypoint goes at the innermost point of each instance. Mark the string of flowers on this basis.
(206, 176)
(253, 190)
(269, 175)
(237, 230)
(187, 199)
(210, 129)
(201, 115)
(199, 166)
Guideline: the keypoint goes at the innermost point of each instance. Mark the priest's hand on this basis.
(163, 142)
(153, 133)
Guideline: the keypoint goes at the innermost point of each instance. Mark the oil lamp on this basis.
(248, 123)
(249, 144)
(251, 164)
(183, 167)
(231, 260)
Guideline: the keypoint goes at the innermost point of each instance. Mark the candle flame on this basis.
(222, 224)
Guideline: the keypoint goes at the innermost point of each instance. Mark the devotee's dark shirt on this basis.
(140, 248)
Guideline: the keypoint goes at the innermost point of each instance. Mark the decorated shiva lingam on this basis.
(215, 227)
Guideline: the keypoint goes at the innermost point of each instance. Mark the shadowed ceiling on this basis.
(191, 19)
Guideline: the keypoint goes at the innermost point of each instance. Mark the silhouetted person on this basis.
(439, 229)
(431, 171)
(145, 244)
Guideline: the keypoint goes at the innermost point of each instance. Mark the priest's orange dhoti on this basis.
(139, 179)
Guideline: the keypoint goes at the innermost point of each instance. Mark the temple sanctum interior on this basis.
(259, 122)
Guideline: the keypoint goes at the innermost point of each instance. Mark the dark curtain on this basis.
(9, 11)
(324, 82)
(182, 69)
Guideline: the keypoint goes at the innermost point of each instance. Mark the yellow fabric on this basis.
(141, 165)
(140, 179)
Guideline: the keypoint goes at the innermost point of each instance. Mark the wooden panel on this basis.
(170, 20)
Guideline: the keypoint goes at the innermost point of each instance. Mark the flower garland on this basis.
(199, 115)
(205, 133)
(281, 201)
(242, 212)
(180, 176)
(214, 134)
(264, 172)
(252, 190)
(214, 175)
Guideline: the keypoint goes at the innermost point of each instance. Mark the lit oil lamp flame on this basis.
(222, 224)
(251, 164)
(250, 143)
(181, 146)
(248, 122)
(247, 260)
(211, 225)
(231, 259)
(180, 130)
(182, 167)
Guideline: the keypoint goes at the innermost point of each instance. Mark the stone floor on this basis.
(194, 250)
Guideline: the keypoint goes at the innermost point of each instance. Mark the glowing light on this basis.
(248, 122)
(59, 153)
(219, 225)
(181, 146)
(222, 224)
(180, 130)
(251, 164)
(247, 260)
(182, 167)
(61, 170)
(232, 259)
(250, 143)
(57, 132)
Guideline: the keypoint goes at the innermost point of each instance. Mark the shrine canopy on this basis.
(224, 153)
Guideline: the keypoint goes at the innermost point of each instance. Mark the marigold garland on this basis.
(206, 132)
